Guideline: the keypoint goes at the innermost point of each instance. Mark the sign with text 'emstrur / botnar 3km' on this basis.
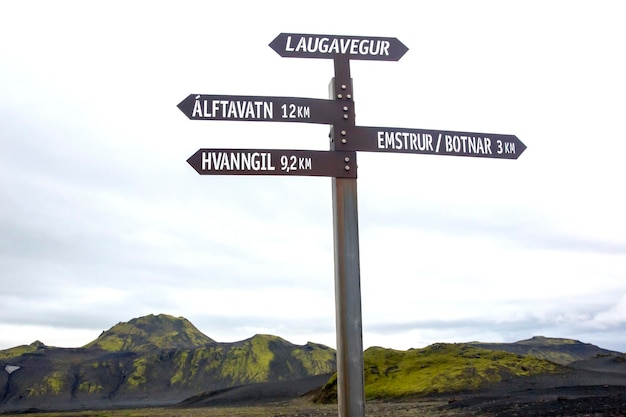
(428, 141)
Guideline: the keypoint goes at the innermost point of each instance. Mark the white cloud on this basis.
(100, 212)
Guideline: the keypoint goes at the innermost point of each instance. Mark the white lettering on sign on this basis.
(410, 141)
(505, 147)
(293, 111)
(237, 161)
(233, 109)
(290, 163)
(344, 46)
(468, 144)
(419, 141)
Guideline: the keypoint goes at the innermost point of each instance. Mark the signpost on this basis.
(434, 142)
(274, 162)
(372, 48)
(259, 108)
(339, 163)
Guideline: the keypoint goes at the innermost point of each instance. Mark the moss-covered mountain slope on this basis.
(439, 368)
(151, 332)
(156, 359)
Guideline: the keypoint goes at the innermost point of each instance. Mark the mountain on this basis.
(165, 360)
(152, 332)
(561, 351)
(150, 360)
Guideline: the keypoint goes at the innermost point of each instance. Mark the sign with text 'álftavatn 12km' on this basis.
(260, 108)
(372, 48)
(274, 162)
(435, 142)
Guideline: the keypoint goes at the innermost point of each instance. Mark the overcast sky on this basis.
(102, 220)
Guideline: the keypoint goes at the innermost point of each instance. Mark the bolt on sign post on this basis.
(339, 163)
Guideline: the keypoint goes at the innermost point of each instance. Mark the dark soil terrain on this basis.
(255, 394)
(580, 392)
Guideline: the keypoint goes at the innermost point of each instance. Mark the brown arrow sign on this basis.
(298, 45)
(274, 162)
(425, 141)
(261, 108)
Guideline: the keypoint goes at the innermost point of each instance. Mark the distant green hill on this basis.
(155, 359)
(439, 368)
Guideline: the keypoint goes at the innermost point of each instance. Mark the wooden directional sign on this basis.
(274, 162)
(297, 45)
(423, 141)
(259, 108)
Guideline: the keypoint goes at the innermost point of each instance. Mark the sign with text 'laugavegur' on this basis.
(373, 48)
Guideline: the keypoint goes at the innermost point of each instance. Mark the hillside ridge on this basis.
(557, 350)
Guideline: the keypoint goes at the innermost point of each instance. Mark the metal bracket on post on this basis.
(350, 379)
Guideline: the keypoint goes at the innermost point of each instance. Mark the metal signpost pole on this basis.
(350, 381)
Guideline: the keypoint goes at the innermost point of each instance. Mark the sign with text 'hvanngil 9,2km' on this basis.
(260, 108)
(274, 162)
(435, 142)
